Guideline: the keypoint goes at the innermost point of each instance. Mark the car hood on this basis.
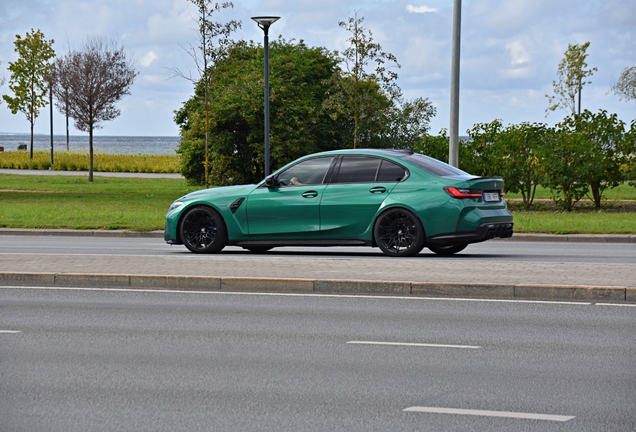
(217, 192)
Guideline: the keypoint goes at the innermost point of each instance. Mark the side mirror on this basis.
(271, 181)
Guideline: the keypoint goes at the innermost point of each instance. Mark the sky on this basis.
(510, 51)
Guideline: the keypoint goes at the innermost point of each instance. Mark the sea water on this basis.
(102, 144)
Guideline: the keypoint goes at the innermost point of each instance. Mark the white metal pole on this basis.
(453, 148)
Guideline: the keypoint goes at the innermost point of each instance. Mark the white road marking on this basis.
(273, 294)
(414, 344)
(517, 415)
(9, 331)
(616, 304)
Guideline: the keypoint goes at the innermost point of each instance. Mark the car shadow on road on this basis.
(362, 254)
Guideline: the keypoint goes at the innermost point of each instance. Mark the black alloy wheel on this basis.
(203, 230)
(399, 233)
(447, 250)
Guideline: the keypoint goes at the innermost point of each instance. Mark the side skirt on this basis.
(274, 243)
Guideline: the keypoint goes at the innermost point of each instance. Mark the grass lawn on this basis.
(622, 192)
(141, 204)
(575, 222)
(72, 202)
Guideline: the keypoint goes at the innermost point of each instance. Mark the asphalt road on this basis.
(492, 251)
(106, 360)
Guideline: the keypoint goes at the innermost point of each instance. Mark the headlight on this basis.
(175, 205)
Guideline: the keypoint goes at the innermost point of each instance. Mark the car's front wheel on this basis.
(399, 233)
(447, 249)
(203, 230)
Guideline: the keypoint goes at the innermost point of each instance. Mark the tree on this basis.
(435, 146)
(29, 74)
(92, 80)
(629, 150)
(625, 87)
(408, 121)
(518, 159)
(356, 90)
(604, 148)
(479, 157)
(214, 41)
(1, 84)
(565, 162)
(572, 73)
(300, 83)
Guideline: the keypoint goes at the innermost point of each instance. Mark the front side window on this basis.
(307, 172)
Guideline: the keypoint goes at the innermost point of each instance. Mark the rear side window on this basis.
(434, 166)
(390, 172)
(364, 169)
(357, 169)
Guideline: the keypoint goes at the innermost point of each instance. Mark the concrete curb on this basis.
(323, 286)
(537, 237)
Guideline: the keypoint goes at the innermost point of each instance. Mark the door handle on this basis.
(377, 189)
(310, 194)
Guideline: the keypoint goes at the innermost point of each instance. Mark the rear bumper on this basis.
(485, 231)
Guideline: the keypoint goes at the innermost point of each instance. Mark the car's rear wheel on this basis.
(398, 232)
(203, 230)
(447, 249)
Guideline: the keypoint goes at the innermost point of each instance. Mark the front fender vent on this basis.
(236, 204)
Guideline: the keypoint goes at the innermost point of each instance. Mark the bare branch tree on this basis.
(357, 96)
(89, 82)
(213, 43)
(1, 84)
(626, 85)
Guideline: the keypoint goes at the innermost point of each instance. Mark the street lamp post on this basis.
(51, 102)
(453, 147)
(264, 22)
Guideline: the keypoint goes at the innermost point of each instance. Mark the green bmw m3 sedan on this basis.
(397, 200)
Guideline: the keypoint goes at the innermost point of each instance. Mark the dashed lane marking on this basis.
(429, 345)
(484, 413)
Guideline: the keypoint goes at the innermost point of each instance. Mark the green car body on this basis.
(397, 200)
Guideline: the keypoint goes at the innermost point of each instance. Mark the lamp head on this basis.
(265, 21)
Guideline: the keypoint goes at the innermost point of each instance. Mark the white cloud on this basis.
(518, 53)
(420, 9)
(510, 49)
(516, 73)
(148, 59)
(153, 79)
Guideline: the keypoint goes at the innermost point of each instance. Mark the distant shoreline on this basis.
(27, 134)
(114, 144)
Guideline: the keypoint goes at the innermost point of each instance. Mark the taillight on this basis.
(462, 193)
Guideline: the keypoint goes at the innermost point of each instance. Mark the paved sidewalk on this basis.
(332, 275)
(425, 275)
(570, 238)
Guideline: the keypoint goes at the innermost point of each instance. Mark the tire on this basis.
(399, 233)
(447, 250)
(202, 230)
